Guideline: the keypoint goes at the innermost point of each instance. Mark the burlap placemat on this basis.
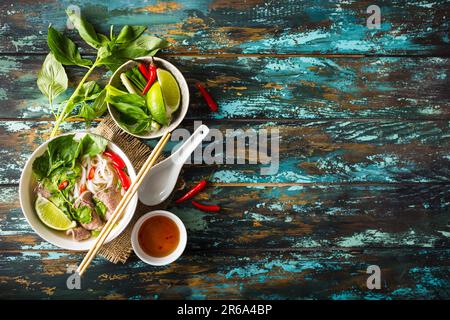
(119, 249)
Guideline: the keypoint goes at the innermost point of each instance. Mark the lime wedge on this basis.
(51, 216)
(155, 104)
(170, 90)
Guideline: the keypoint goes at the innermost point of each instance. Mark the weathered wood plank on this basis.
(348, 216)
(337, 274)
(246, 27)
(264, 88)
(310, 151)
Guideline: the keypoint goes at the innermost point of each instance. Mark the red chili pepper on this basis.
(124, 178)
(151, 77)
(117, 161)
(91, 173)
(196, 189)
(63, 185)
(82, 188)
(206, 208)
(209, 100)
(143, 69)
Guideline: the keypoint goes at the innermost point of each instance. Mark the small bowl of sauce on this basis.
(159, 238)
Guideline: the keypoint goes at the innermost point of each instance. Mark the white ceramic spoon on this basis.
(161, 179)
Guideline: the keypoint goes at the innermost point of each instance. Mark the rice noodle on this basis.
(104, 175)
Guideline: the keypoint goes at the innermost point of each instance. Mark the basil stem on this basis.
(70, 103)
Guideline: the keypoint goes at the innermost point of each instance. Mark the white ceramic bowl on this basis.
(177, 117)
(59, 238)
(155, 261)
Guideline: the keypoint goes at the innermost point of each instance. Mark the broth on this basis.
(159, 236)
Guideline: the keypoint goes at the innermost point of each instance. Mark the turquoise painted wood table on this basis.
(364, 176)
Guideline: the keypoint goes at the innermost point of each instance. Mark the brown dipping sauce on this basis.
(159, 236)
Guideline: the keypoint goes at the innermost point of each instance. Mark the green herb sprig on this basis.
(112, 51)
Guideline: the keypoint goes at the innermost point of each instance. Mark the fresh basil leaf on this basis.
(110, 54)
(90, 98)
(99, 104)
(114, 55)
(88, 91)
(130, 33)
(136, 126)
(93, 96)
(87, 113)
(130, 104)
(82, 214)
(62, 151)
(113, 91)
(41, 166)
(107, 58)
(92, 145)
(92, 106)
(85, 29)
(143, 46)
(128, 108)
(104, 53)
(89, 88)
(52, 79)
(64, 49)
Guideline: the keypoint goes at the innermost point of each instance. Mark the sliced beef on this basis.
(79, 233)
(96, 222)
(111, 198)
(85, 199)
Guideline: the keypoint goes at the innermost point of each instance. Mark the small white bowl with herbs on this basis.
(147, 97)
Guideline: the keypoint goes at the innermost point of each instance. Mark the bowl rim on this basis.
(131, 207)
(159, 261)
(185, 97)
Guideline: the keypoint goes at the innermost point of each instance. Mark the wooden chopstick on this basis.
(122, 205)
